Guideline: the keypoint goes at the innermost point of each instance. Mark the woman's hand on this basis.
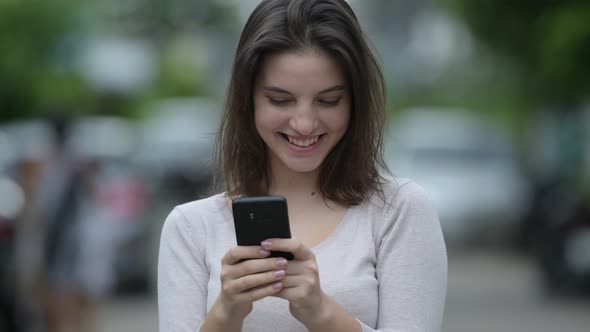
(301, 285)
(247, 275)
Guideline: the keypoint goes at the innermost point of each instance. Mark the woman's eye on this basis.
(279, 102)
(333, 102)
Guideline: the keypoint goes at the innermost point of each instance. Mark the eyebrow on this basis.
(279, 90)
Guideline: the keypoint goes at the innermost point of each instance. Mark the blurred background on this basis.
(108, 111)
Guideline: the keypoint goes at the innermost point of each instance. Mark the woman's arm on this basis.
(307, 301)
(247, 275)
(182, 275)
(333, 318)
(411, 265)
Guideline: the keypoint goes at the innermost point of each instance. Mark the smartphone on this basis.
(259, 218)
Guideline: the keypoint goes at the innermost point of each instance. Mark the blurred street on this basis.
(501, 292)
(487, 292)
(108, 117)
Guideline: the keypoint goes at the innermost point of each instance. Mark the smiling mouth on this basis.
(302, 142)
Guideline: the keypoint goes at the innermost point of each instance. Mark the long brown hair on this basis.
(352, 170)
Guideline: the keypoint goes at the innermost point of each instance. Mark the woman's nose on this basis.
(305, 121)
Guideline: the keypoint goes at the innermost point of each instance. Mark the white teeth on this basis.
(303, 143)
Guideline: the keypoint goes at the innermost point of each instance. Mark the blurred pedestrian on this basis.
(304, 119)
(10, 207)
(32, 147)
(56, 201)
(92, 206)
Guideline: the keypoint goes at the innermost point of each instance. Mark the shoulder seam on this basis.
(387, 222)
(190, 230)
(389, 211)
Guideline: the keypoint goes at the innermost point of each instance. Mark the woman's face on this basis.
(302, 108)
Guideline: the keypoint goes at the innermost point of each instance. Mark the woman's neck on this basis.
(299, 188)
(289, 183)
(293, 184)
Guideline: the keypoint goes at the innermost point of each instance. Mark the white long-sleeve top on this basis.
(385, 264)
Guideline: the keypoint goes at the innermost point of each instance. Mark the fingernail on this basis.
(278, 273)
(282, 262)
(278, 285)
(266, 243)
(264, 252)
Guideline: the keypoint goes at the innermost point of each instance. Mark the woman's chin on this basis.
(303, 167)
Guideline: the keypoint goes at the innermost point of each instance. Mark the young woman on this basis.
(304, 118)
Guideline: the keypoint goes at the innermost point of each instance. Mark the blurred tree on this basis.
(548, 40)
(42, 42)
(33, 78)
(189, 37)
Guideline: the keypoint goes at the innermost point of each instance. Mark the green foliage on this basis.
(40, 42)
(549, 40)
(30, 79)
(182, 69)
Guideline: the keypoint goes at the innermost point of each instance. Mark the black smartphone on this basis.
(259, 218)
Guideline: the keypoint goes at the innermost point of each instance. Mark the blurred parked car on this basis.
(561, 239)
(557, 230)
(469, 167)
(176, 145)
(175, 153)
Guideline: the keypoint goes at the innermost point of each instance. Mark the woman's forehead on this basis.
(313, 70)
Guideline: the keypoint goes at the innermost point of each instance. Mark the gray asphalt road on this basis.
(503, 292)
(487, 292)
